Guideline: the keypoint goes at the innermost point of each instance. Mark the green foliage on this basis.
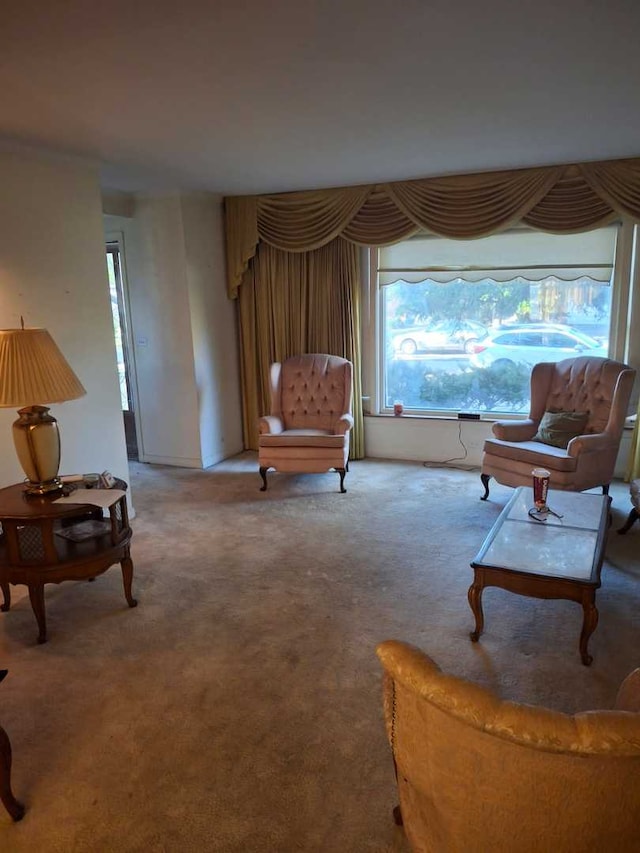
(503, 387)
(484, 301)
(404, 381)
(482, 389)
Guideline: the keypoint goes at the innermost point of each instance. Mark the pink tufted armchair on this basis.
(599, 389)
(308, 428)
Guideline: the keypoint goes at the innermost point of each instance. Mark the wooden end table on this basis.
(34, 549)
(558, 558)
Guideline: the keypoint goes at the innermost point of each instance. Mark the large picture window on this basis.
(462, 322)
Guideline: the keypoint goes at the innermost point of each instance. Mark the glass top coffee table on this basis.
(560, 557)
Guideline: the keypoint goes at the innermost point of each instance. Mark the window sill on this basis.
(415, 416)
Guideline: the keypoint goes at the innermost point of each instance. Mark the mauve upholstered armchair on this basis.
(476, 773)
(598, 387)
(310, 421)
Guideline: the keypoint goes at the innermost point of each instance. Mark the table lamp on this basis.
(33, 371)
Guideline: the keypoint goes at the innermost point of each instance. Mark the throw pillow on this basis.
(558, 428)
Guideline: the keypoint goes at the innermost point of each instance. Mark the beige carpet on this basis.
(237, 709)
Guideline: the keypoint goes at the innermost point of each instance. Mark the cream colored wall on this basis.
(184, 330)
(440, 440)
(213, 325)
(53, 272)
(425, 439)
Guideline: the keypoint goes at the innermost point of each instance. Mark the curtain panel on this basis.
(560, 199)
(292, 303)
(633, 465)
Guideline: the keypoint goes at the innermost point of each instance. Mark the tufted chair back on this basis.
(582, 384)
(476, 773)
(311, 391)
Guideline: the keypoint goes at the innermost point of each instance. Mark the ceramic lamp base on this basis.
(37, 441)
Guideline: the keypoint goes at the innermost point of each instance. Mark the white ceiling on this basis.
(244, 96)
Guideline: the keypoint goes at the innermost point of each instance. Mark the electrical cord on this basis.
(447, 463)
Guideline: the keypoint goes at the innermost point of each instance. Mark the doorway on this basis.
(121, 332)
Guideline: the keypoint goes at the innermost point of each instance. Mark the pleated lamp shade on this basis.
(33, 371)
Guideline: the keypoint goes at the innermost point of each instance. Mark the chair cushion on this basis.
(545, 456)
(302, 438)
(558, 428)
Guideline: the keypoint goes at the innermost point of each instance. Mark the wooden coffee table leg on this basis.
(15, 809)
(36, 596)
(127, 580)
(475, 602)
(589, 624)
(6, 594)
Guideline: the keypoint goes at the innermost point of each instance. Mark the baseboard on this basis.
(176, 461)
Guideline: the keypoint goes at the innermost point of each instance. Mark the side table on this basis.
(34, 549)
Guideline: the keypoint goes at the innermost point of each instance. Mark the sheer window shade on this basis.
(533, 255)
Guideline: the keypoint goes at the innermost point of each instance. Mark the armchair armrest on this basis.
(515, 430)
(344, 424)
(595, 443)
(270, 425)
(628, 698)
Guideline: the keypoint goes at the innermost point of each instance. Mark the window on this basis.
(118, 317)
(462, 322)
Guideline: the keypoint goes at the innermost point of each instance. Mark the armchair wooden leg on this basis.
(605, 489)
(485, 482)
(6, 594)
(633, 516)
(15, 809)
(342, 472)
(263, 474)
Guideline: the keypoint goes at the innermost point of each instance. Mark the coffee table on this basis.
(557, 558)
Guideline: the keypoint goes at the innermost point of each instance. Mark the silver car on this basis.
(534, 343)
(443, 336)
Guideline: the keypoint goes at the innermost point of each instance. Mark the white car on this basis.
(443, 336)
(533, 343)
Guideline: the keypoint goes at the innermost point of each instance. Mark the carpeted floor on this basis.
(238, 708)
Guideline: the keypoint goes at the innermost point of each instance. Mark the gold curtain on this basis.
(560, 199)
(633, 467)
(294, 303)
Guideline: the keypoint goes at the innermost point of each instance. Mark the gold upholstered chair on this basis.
(310, 421)
(476, 773)
(574, 428)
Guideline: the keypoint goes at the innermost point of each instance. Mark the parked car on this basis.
(443, 336)
(532, 343)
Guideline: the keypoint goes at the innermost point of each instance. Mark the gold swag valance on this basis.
(560, 199)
